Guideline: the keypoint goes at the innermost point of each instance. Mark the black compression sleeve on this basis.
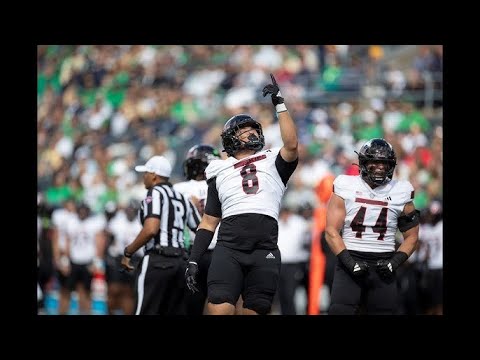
(213, 206)
(285, 169)
(203, 238)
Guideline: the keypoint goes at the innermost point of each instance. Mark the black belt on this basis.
(166, 251)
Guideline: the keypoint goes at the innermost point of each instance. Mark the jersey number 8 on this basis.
(249, 179)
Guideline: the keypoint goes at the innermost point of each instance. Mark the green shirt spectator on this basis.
(56, 195)
(370, 132)
(414, 117)
(421, 199)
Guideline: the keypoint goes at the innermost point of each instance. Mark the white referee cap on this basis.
(156, 164)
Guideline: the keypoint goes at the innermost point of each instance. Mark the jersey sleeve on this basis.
(275, 150)
(213, 168)
(340, 186)
(180, 187)
(408, 192)
(56, 218)
(193, 216)
(71, 226)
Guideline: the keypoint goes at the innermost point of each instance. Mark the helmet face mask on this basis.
(132, 210)
(230, 135)
(197, 160)
(374, 152)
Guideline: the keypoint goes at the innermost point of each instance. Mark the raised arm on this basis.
(288, 130)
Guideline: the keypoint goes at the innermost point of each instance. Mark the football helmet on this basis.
(381, 151)
(132, 209)
(232, 144)
(83, 211)
(198, 158)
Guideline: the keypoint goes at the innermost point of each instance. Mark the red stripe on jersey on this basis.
(249, 161)
(373, 202)
(412, 195)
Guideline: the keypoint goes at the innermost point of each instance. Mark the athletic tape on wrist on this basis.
(280, 108)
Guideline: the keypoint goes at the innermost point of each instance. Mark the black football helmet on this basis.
(232, 144)
(132, 209)
(377, 150)
(198, 158)
(83, 210)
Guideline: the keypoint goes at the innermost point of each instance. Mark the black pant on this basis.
(369, 294)
(160, 285)
(291, 277)
(196, 302)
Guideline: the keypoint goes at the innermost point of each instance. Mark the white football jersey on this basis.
(293, 233)
(124, 232)
(432, 235)
(249, 185)
(82, 235)
(371, 214)
(60, 218)
(199, 189)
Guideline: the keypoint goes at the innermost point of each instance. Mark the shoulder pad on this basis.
(213, 169)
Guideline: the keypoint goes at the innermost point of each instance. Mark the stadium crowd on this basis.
(102, 109)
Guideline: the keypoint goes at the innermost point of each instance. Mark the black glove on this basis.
(356, 268)
(386, 268)
(274, 90)
(190, 275)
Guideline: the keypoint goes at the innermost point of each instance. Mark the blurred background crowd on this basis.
(102, 109)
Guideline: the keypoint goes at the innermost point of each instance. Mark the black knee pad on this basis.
(341, 309)
(220, 296)
(259, 303)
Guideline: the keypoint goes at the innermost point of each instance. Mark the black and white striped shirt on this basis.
(174, 211)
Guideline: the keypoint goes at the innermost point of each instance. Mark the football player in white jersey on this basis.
(61, 217)
(196, 188)
(244, 192)
(85, 248)
(123, 228)
(363, 216)
(432, 234)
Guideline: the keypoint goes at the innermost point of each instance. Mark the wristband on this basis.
(280, 108)
(346, 259)
(398, 258)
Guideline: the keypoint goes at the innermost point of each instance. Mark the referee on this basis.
(159, 280)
